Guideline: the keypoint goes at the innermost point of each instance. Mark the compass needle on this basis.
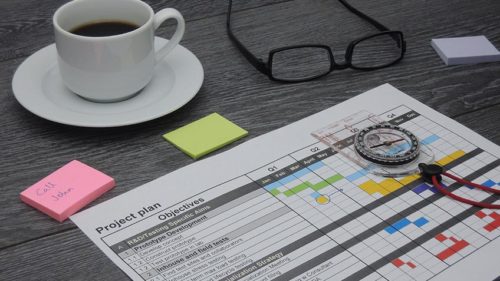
(387, 143)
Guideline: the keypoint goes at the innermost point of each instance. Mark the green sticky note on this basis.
(205, 135)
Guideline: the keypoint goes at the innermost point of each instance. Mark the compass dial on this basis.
(387, 144)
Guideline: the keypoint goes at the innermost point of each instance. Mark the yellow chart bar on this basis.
(457, 154)
(448, 159)
(409, 179)
(371, 187)
(391, 185)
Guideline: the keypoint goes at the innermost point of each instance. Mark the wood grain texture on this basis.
(65, 256)
(32, 147)
(484, 122)
(26, 26)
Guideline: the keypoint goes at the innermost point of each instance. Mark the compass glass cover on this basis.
(387, 144)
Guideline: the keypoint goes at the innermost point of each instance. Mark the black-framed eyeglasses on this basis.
(300, 63)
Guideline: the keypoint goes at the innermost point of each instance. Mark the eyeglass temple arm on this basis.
(369, 19)
(362, 15)
(257, 63)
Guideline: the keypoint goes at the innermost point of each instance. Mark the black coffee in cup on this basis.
(105, 28)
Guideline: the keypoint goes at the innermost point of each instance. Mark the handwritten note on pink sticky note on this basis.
(67, 190)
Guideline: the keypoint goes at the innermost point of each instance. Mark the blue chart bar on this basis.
(315, 195)
(430, 139)
(316, 165)
(397, 226)
(357, 175)
(287, 179)
(272, 186)
(297, 175)
(423, 187)
(405, 222)
(420, 222)
(302, 172)
(399, 148)
(489, 183)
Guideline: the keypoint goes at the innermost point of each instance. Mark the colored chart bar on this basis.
(457, 154)
(320, 185)
(315, 195)
(272, 186)
(320, 198)
(356, 175)
(316, 166)
(423, 187)
(287, 179)
(420, 222)
(334, 178)
(489, 183)
(294, 176)
(448, 159)
(275, 192)
(430, 139)
(385, 187)
(450, 251)
(303, 186)
(493, 225)
(297, 189)
(302, 172)
(388, 186)
(398, 148)
(399, 263)
(372, 187)
(409, 179)
(397, 226)
(391, 185)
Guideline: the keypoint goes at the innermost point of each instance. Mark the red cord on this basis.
(465, 200)
(466, 182)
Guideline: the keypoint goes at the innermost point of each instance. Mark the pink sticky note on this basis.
(67, 190)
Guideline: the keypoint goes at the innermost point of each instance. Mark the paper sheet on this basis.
(252, 213)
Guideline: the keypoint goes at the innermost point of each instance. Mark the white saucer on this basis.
(38, 87)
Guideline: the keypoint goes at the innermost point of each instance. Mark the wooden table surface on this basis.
(35, 247)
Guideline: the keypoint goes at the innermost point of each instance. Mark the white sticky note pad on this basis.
(465, 50)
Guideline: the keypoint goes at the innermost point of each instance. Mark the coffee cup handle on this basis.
(159, 18)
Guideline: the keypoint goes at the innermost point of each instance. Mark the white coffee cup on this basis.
(111, 68)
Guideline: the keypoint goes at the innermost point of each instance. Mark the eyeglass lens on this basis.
(300, 63)
(377, 51)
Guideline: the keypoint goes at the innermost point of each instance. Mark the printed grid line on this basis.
(410, 205)
(370, 206)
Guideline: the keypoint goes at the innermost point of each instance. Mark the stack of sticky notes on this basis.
(67, 190)
(465, 50)
(205, 135)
